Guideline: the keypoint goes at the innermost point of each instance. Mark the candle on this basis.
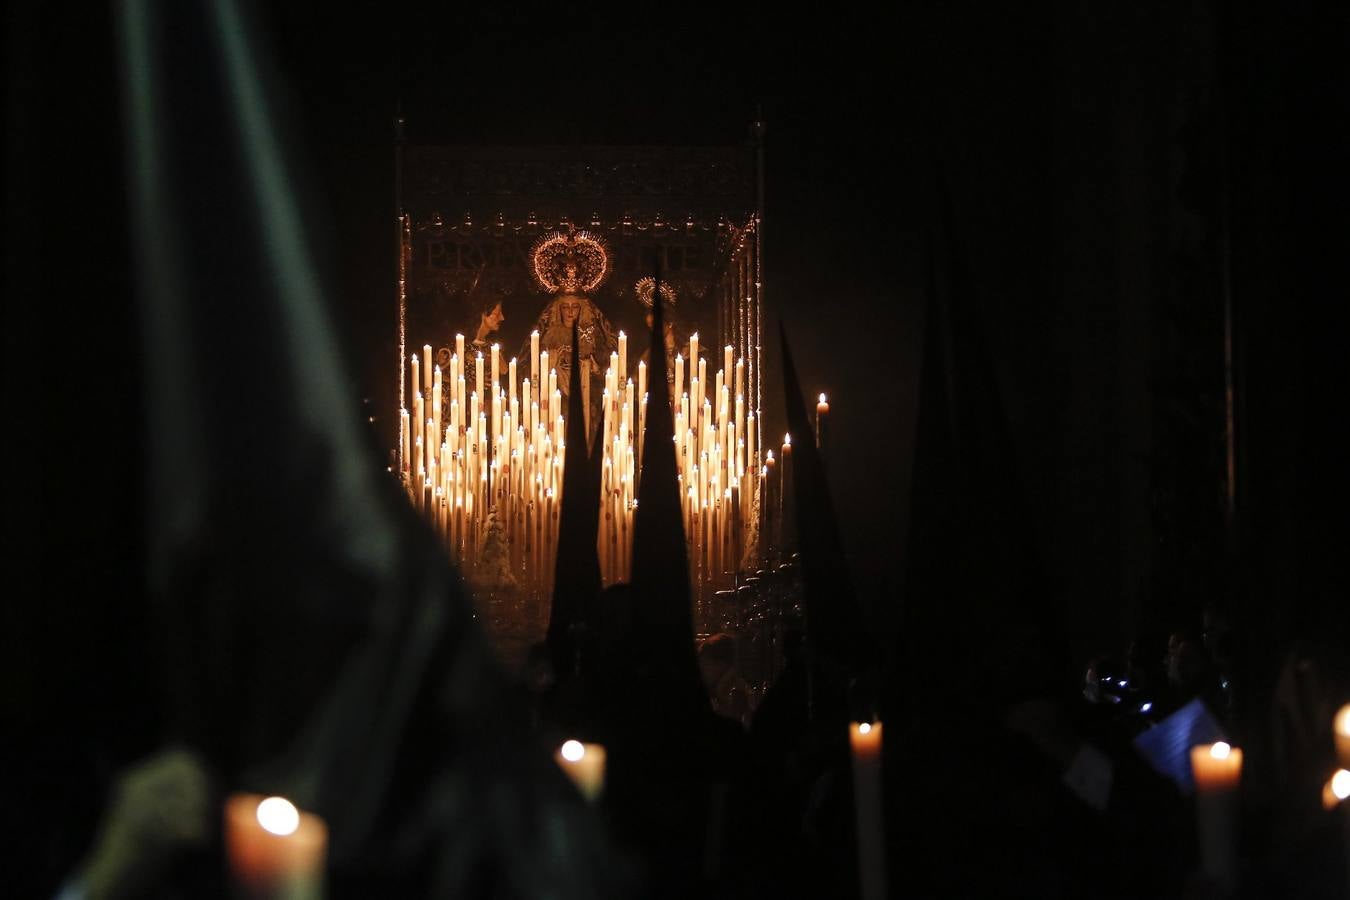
(1336, 789)
(534, 361)
(864, 740)
(623, 356)
(274, 850)
(511, 382)
(822, 411)
(1342, 730)
(1217, 769)
(426, 368)
(693, 351)
(585, 765)
(416, 383)
(478, 374)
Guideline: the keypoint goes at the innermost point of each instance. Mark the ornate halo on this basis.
(644, 291)
(576, 262)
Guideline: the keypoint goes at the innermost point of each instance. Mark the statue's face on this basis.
(493, 320)
(570, 308)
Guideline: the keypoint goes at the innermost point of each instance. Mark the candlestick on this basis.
(274, 850)
(623, 355)
(865, 742)
(1217, 769)
(426, 369)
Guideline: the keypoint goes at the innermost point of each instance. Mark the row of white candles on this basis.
(277, 850)
(501, 445)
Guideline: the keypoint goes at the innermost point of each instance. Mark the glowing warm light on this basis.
(865, 728)
(272, 848)
(1336, 789)
(822, 398)
(1342, 730)
(1216, 767)
(570, 263)
(485, 466)
(585, 765)
(278, 815)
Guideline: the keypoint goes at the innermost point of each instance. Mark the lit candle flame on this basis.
(1340, 784)
(573, 751)
(865, 728)
(279, 816)
(1220, 750)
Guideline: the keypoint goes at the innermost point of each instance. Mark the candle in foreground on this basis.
(1342, 729)
(1218, 771)
(1336, 789)
(275, 851)
(1217, 767)
(585, 765)
(822, 414)
(865, 740)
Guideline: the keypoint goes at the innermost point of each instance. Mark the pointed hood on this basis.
(834, 621)
(973, 570)
(660, 585)
(576, 570)
(321, 645)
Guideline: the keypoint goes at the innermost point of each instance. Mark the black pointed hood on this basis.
(834, 620)
(576, 570)
(974, 574)
(662, 600)
(322, 646)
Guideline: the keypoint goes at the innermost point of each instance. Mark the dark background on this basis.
(1112, 172)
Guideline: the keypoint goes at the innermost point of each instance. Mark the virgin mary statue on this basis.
(570, 267)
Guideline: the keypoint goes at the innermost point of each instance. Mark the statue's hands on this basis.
(161, 805)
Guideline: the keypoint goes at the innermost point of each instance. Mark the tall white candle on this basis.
(623, 355)
(534, 362)
(416, 381)
(1217, 769)
(478, 377)
(865, 742)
